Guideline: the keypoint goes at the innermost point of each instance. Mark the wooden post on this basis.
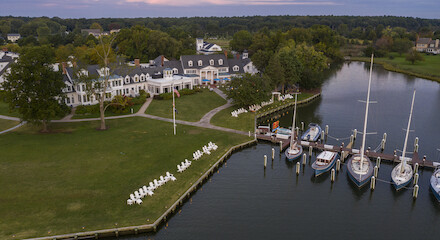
(416, 191)
(373, 183)
(376, 170)
(378, 162)
(273, 153)
(304, 159)
(310, 151)
(333, 175)
(265, 161)
(355, 131)
(338, 165)
(297, 168)
(416, 168)
(302, 126)
(326, 129)
(281, 146)
(416, 179)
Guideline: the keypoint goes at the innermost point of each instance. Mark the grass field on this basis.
(244, 121)
(424, 69)
(6, 124)
(4, 110)
(78, 179)
(223, 43)
(108, 113)
(189, 107)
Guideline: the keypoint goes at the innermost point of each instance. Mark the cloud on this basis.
(230, 2)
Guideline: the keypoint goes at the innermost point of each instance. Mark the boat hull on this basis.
(433, 185)
(404, 180)
(306, 136)
(291, 156)
(359, 179)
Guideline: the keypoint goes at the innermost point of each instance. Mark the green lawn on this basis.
(244, 121)
(424, 69)
(78, 179)
(108, 113)
(6, 124)
(4, 110)
(223, 43)
(189, 107)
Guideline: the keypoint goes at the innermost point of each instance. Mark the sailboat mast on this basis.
(366, 115)
(292, 136)
(407, 133)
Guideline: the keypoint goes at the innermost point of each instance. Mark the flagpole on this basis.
(174, 113)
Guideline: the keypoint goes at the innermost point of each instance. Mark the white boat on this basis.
(294, 150)
(324, 162)
(403, 172)
(435, 184)
(359, 166)
(313, 133)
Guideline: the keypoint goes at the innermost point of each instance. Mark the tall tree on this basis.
(241, 40)
(414, 56)
(35, 87)
(249, 89)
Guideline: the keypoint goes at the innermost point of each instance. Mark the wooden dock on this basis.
(348, 150)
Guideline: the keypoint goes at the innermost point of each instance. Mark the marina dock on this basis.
(348, 150)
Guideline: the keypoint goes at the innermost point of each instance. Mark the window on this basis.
(136, 79)
(220, 62)
(142, 78)
(73, 100)
(79, 98)
(127, 79)
(78, 88)
(235, 68)
(67, 100)
(211, 62)
(175, 71)
(190, 63)
(200, 63)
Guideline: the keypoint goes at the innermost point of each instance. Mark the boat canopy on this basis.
(326, 155)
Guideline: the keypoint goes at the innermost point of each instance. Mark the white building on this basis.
(206, 48)
(6, 59)
(13, 37)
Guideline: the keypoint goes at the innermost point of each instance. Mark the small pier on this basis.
(348, 150)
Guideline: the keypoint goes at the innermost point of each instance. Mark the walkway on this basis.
(204, 122)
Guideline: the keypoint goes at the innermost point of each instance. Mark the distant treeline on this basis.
(348, 26)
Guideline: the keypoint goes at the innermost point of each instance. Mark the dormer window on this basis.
(175, 71)
(147, 76)
(190, 63)
(127, 79)
(142, 78)
(200, 62)
(220, 62)
(136, 78)
(211, 62)
(235, 68)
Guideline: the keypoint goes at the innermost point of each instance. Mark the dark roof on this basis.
(174, 64)
(205, 60)
(13, 35)
(238, 62)
(424, 40)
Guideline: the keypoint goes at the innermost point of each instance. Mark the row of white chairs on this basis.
(266, 103)
(183, 166)
(254, 108)
(235, 113)
(145, 191)
(285, 97)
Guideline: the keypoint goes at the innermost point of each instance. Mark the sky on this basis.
(206, 8)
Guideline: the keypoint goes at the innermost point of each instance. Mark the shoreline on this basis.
(133, 230)
(392, 68)
(288, 104)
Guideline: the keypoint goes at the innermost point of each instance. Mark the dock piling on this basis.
(373, 183)
(355, 131)
(351, 138)
(304, 159)
(273, 153)
(297, 132)
(281, 146)
(265, 161)
(310, 151)
(298, 167)
(338, 165)
(382, 144)
(302, 126)
(416, 141)
(416, 148)
(378, 162)
(333, 174)
(416, 167)
(322, 135)
(326, 129)
(343, 156)
(416, 191)
(416, 179)
(376, 170)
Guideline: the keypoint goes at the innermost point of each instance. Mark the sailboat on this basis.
(403, 172)
(360, 168)
(435, 183)
(295, 150)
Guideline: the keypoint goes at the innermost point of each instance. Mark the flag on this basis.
(177, 92)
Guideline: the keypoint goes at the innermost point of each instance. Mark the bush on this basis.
(87, 109)
(121, 104)
(141, 98)
(185, 91)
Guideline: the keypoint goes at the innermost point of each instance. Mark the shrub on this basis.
(121, 104)
(87, 109)
(185, 91)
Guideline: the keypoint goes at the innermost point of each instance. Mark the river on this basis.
(244, 201)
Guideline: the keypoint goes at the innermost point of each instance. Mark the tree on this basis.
(241, 40)
(248, 89)
(96, 25)
(413, 56)
(34, 87)
(96, 85)
(402, 45)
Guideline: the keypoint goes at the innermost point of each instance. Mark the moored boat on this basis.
(359, 166)
(294, 150)
(312, 134)
(435, 183)
(403, 172)
(324, 162)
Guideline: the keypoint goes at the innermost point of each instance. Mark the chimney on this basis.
(137, 62)
(238, 55)
(74, 64)
(436, 43)
(64, 65)
(162, 60)
(226, 53)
